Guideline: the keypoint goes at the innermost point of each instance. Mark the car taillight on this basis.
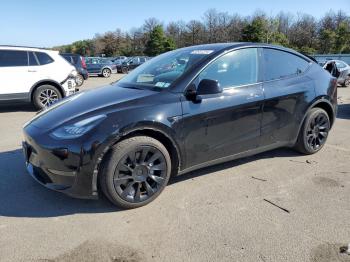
(83, 62)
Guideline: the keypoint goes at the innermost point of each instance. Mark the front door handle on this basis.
(31, 71)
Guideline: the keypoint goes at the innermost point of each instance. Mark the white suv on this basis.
(34, 75)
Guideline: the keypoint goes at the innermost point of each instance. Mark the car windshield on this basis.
(161, 71)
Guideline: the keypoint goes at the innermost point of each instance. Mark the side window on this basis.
(32, 59)
(340, 64)
(279, 64)
(236, 68)
(10, 58)
(43, 58)
(142, 59)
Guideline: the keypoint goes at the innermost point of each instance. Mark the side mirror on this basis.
(208, 87)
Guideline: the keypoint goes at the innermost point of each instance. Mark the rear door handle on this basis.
(31, 71)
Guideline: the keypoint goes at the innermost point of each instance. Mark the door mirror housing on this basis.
(208, 87)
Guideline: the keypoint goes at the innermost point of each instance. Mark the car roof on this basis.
(222, 47)
(25, 48)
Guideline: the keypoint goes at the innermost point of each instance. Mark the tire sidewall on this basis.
(106, 70)
(310, 116)
(117, 154)
(79, 76)
(36, 100)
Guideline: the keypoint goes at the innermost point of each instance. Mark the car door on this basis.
(288, 92)
(227, 123)
(134, 63)
(15, 77)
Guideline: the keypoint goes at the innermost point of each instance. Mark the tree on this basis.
(158, 42)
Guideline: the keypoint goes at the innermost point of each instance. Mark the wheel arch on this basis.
(45, 82)
(321, 103)
(154, 132)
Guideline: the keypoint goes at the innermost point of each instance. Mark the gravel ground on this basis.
(215, 214)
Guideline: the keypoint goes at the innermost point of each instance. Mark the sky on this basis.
(47, 23)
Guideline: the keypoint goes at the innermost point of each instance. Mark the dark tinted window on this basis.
(68, 58)
(43, 58)
(75, 59)
(279, 64)
(32, 60)
(234, 69)
(13, 58)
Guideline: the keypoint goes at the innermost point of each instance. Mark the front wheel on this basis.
(106, 72)
(135, 172)
(314, 132)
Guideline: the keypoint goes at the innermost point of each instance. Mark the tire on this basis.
(79, 80)
(106, 72)
(314, 132)
(135, 172)
(125, 70)
(347, 82)
(45, 95)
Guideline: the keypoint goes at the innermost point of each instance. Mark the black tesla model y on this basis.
(180, 111)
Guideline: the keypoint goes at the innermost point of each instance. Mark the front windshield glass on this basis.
(163, 70)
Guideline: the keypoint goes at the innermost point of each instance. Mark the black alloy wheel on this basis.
(135, 172)
(314, 132)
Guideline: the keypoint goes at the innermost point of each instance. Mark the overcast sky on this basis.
(47, 23)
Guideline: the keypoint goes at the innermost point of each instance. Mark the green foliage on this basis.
(158, 43)
(329, 34)
(255, 31)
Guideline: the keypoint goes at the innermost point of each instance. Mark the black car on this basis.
(79, 62)
(218, 103)
(100, 66)
(131, 63)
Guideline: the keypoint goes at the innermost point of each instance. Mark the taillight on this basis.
(83, 62)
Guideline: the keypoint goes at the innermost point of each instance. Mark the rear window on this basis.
(13, 58)
(43, 58)
(280, 64)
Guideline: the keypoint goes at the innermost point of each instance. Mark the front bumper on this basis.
(56, 167)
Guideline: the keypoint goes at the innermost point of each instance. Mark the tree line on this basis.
(303, 32)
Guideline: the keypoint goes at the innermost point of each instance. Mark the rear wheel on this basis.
(347, 82)
(125, 70)
(314, 131)
(106, 72)
(79, 80)
(45, 95)
(135, 172)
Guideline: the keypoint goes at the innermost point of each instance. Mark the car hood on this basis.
(86, 103)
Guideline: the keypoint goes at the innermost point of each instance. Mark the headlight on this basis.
(77, 129)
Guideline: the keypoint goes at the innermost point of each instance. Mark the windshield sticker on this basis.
(145, 78)
(162, 84)
(202, 52)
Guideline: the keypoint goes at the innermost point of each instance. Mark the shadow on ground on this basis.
(21, 196)
(9, 108)
(343, 111)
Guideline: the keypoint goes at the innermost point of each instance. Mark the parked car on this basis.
(228, 101)
(100, 66)
(79, 62)
(34, 75)
(131, 64)
(119, 60)
(344, 71)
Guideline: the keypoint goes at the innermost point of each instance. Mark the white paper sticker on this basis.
(202, 52)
